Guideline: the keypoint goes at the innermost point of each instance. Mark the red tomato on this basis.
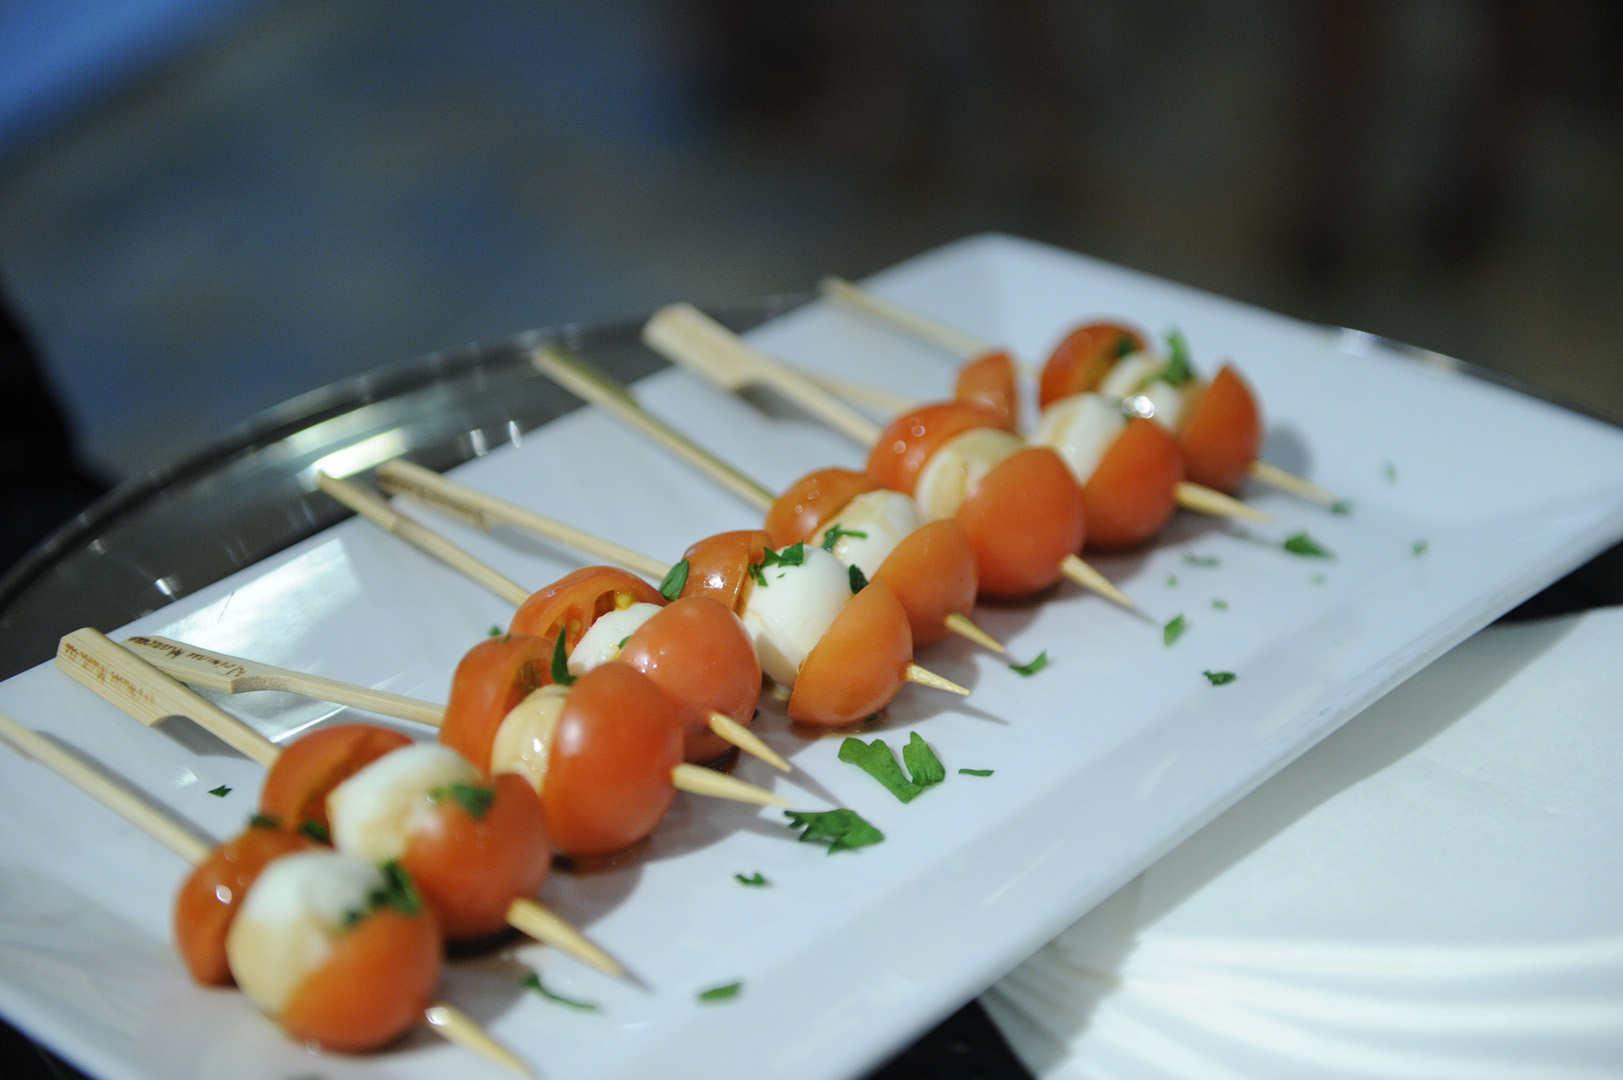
(811, 502)
(208, 898)
(699, 653)
(1222, 433)
(899, 454)
(375, 985)
(719, 565)
(1022, 519)
(471, 869)
(574, 602)
(1134, 491)
(1080, 363)
(932, 572)
(857, 666)
(296, 787)
(609, 771)
(989, 381)
(493, 677)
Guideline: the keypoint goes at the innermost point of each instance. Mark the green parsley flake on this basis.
(974, 772)
(922, 764)
(1125, 346)
(843, 829)
(1172, 581)
(675, 580)
(315, 830)
(1178, 370)
(1191, 559)
(220, 792)
(495, 631)
(264, 821)
(475, 799)
(793, 555)
(1033, 667)
(397, 892)
(1342, 507)
(1303, 544)
(1420, 547)
(532, 981)
(1317, 579)
(722, 993)
(1219, 678)
(877, 761)
(1390, 471)
(623, 641)
(1173, 630)
(835, 534)
(755, 880)
(1220, 605)
(859, 580)
(560, 662)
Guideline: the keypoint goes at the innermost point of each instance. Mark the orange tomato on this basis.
(1133, 492)
(932, 572)
(906, 443)
(609, 772)
(1022, 519)
(471, 868)
(1081, 361)
(989, 381)
(857, 666)
(719, 565)
(490, 679)
(812, 501)
(574, 602)
(699, 653)
(208, 898)
(296, 787)
(1222, 433)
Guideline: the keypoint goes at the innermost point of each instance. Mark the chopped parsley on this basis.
(1220, 605)
(1125, 346)
(755, 880)
(722, 993)
(264, 821)
(495, 631)
(922, 764)
(1172, 581)
(1177, 371)
(1390, 471)
(835, 534)
(843, 829)
(974, 772)
(1191, 559)
(793, 555)
(877, 760)
(1219, 678)
(1420, 547)
(560, 662)
(397, 892)
(1317, 579)
(315, 830)
(1303, 544)
(623, 641)
(532, 981)
(675, 580)
(1173, 630)
(220, 792)
(475, 798)
(1341, 506)
(859, 580)
(1033, 667)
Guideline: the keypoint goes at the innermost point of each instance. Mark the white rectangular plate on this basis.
(1102, 762)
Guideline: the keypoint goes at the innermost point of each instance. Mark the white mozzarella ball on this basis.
(601, 642)
(791, 608)
(288, 924)
(374, 812)
(523, 742)
(958, 465)
(1080, 428)
(882, 518)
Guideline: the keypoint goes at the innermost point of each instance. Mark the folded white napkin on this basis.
(1434, 891)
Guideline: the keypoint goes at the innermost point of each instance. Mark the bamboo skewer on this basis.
(139, 689)
(445, 1020)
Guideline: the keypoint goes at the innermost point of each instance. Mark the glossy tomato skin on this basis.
(373, 988)
(471, 868)
(1222, 433)
(490, 679)
(932, 572)
(1023, 518)
(808, 504)
(1080, 362)
(296, 787)
(1134, 491)
(858, 665)
(906, 443)
(989, 382)
(208, 898)
(609, 773)
(718, 566)
(699, 653)
(576, 600)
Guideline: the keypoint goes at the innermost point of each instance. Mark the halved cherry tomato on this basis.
(989, 381)
(1222, 433)
(1081, 361)
(932, 572)
(1022, 519)
(574, 602)
(609, 773)
(857, 666)
(471, 868)
(208, 898)
(373, 987)
(699, 653)
(490, 679)
(1133, 492)
(719, 565)
(899, 454)
(812, 501)
(296, 787)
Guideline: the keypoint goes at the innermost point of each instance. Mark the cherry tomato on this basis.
(373, 987)
(470, 868)
(812, 501)
(1222, 433)
(609, 773)
(857, 666)
(208, 898)
(989, 381)
(296, 787)
(1022, 519)
(899, 454)
(932, 572)
(574, 602)
(699, 653)
(493, 677)
(1133, 492)
(719, 565)
(1080, 363)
